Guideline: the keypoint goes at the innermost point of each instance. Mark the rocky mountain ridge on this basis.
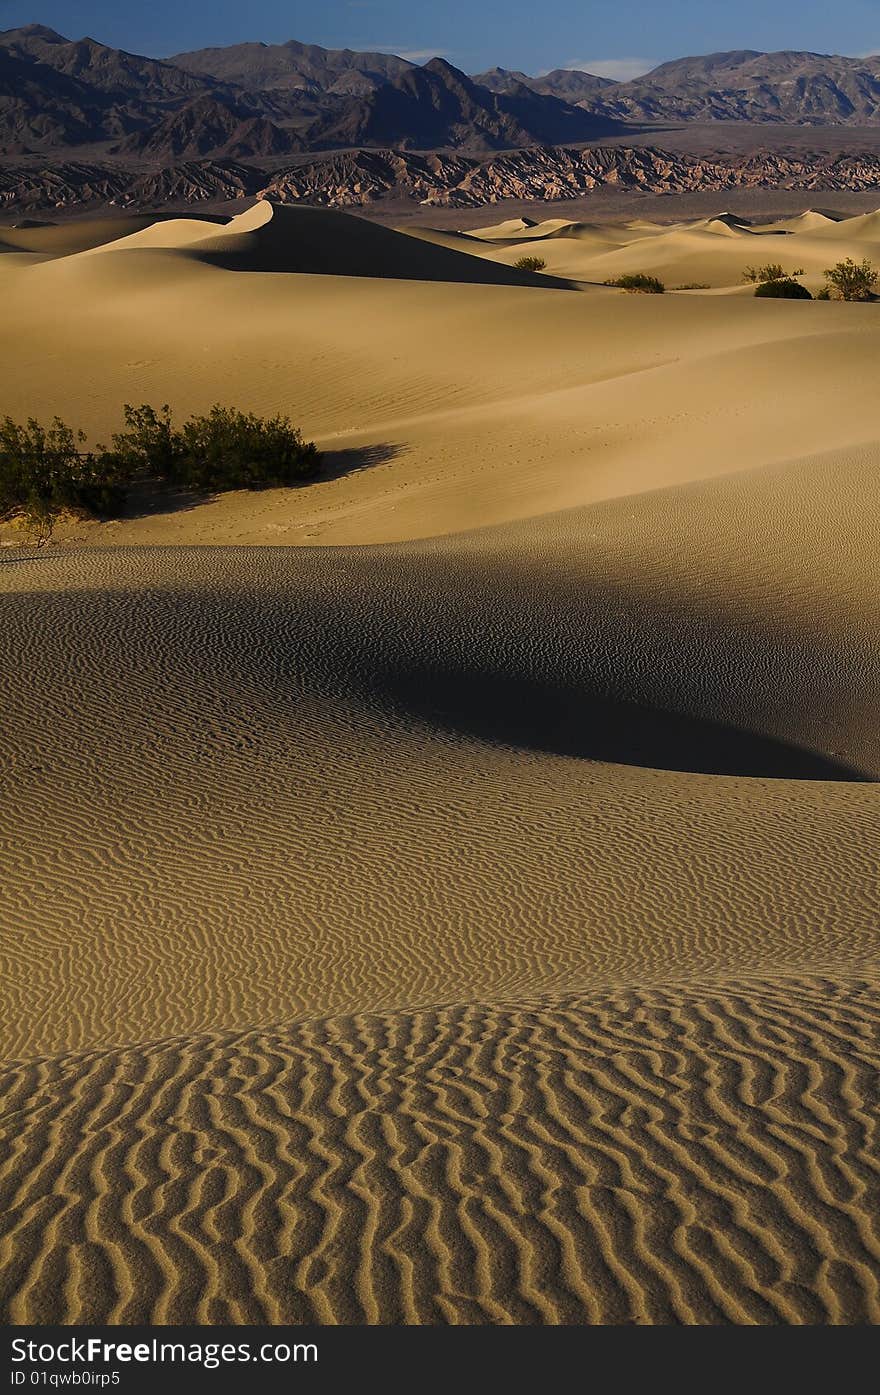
(56, 95)
(82, 123)
(362, 178)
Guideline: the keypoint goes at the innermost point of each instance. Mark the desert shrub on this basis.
(226, 449)
(149, 443)
(849, 280)
(824, 294)
(782, 290)
(530, 263)
(693, 286)
(638, 282)
(43, 472)
(761, 275)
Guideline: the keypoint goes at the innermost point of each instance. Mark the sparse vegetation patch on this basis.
(772, 271)
(638, 283)
(849, 280)
(226, 449)
(782, 290)
(44, 471)
(530, 264)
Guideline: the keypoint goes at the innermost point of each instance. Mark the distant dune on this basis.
(693, 251)
(464, 909)
(319, 241)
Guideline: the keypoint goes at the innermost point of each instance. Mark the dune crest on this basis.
(277, 238)
(453, 882)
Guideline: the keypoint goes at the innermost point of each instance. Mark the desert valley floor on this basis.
(447, 892)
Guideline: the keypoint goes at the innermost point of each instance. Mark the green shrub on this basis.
(227, 449)
(43, 472)
(771, 272)
(849, 280)
(149, 445)
(782, 290)
(530, 264)
(638, 282)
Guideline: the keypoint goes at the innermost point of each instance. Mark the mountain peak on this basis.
(32, 31)
(443, 66)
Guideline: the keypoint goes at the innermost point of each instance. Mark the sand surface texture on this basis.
(481, 925)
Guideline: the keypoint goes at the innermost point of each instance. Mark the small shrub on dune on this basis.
(530, 264)
(226, 449)
(149, 443)
(782, 290)
(693, 286)
(762, 275)
(638, 283)
(43, 473)
(849, 280)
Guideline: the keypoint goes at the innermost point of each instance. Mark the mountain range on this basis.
(790, 87)
(255, 101)
(82, 123)
(360, 178)
(57, 94)
(744, 85)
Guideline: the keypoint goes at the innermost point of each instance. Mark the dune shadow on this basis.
(308, 240)
(514, 711)
(148, 497)
(442, 264)
(352, 461)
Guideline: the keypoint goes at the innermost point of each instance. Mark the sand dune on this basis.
(578, 961)
(480, 925)
(443, 237)
(694, 251)
(653, 1157)
(813, 220)
(66, 239)
(315, 240)
(172, 233)
(449, 406)
(510, 227)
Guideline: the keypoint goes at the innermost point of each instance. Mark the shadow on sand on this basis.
(149, 497)
(517, 712)
(337, 463)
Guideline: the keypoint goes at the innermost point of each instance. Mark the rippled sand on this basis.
(480, 926)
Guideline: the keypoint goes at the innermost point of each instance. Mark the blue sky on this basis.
(617, 39)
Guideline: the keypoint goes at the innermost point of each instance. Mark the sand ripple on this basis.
(384, 938)
(685, 1156)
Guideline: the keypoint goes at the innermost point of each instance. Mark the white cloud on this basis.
(620, 69)
(414, 55)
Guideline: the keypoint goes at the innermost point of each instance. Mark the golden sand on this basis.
(481, 925)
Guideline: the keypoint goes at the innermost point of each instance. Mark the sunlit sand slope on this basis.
(661, 1156)
(442, 405)
(481, 926)
(397, 913)
(714, 251)
(316, 241)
